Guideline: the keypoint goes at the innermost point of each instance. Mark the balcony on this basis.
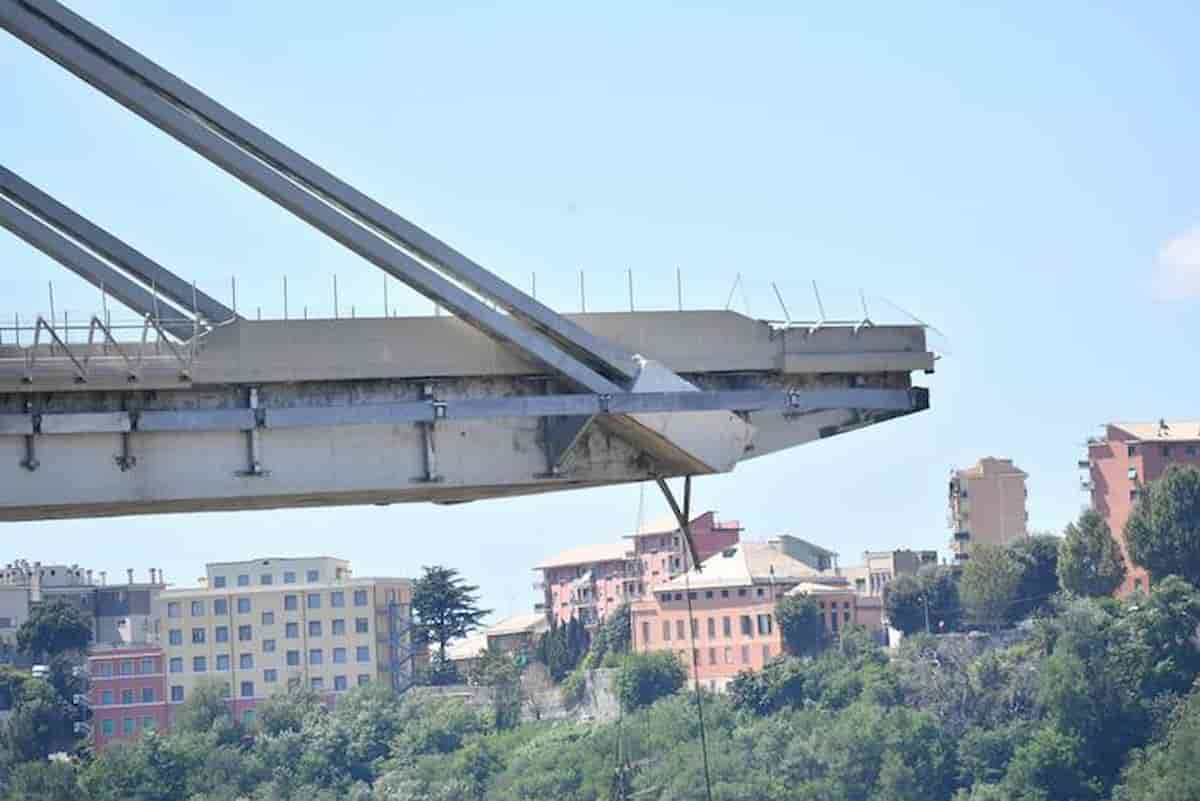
(962, 536)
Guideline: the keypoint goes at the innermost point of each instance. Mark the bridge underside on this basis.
(317, 413)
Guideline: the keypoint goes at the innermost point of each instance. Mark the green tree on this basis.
(206, 711)
(287, 711)
(1170, 769)
(989, 585)
(446, 608)
(646, 677)
(498, 670)
(41, 723)
(905, 600)
(44, 780)
(1163, 531)
(1089, 560)
(800, 624)
(54, 627)
(1037, 556)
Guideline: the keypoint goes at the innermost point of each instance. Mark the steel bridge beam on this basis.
(362, 225)
(95, 238)
(87, 266)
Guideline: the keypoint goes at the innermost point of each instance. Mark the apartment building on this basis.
(590, 581)
(127, 693)
(1122, 462)
(880, 568)
(732, 624)
(987, 505)
(265, 624)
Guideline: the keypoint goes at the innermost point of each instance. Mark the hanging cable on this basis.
(690, 559)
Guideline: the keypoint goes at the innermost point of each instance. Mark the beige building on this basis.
(987, 505)
(880, 568)
(266, 624)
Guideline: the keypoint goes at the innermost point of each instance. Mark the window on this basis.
(291, 630)
(147, 695)
(667, 630)
(712, 656)
(290, 603)
(268, 618)
(243, 580)
(222, 663)
(127, 726)
(199, 664)
(243, 606)
(339, 683)
(745, 654)
(245, 661)
(766, 654)
(225, 690)
(361, 625)
(315, 656)
(314, 628)
(103, 668)
(312, 576)
(174, 610)
(363, 653)
(729, 654)
(337, 598)
(708, 594)
(247, 716)
(268, 646)
(293, 683)
(339, 656)
(148, 665)
(726, 627)
(247, 689)
(106, 698)
(198, 636)
(645, 632)
(221, 606)
(245, 633)
(148, 724)
(221, 634)
(317, 683)
(364, 679)
(127, 667)
(197, 608)
(314, 600)
(126, 697)
(764, 624)
(712, 628)
(176, 693)
(747, 626)
(1132, 451)
(270, 676)
(108, 727)
(360, 597)
(1166, 451)
(218, 582)
(724, 593)
(761, 592)
(846, 616)
(742, 592)
(175, 637)
(289, 577)
(339, 628)
(293, 658)
(177, 664)
(266, 579)
(679, 630)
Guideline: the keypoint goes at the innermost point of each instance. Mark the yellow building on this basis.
(264, 625)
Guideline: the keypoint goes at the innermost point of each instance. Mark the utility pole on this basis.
(925, 599)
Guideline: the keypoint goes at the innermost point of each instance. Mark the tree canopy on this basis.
(800, 624)
(990, 582)
(905, 599)
(1089, 560)
(445, 608)
(55, 626)
(1163, 530)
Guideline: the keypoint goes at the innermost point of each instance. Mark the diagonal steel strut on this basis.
(92, 269)
(401, 248)
(133, 262)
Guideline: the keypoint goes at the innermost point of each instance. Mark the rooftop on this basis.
(586, 554)
(742, 565)
(991, 466)
(518, 624)
(1159, 431)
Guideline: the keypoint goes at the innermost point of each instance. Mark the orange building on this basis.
(732, 624)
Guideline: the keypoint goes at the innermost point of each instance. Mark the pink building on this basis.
(127, 694)
(590, 581)
(732, 627)
(1122, 462)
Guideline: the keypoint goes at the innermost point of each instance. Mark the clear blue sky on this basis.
(1025, 179)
